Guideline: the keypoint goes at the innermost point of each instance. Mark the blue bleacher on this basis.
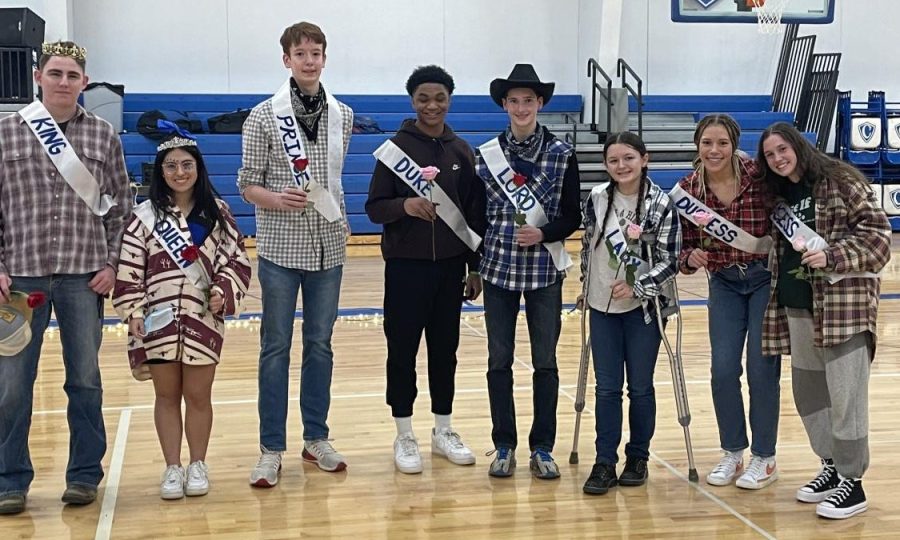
(475, 118)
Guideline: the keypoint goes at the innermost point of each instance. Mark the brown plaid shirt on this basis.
(859, 235)
(45, 228)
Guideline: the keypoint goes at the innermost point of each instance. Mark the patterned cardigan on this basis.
(858, 233)
(658, 217)
(148, 277)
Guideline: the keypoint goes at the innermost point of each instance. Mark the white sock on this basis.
(404, 424)
(442, 421)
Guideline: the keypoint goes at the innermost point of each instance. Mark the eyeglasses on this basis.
(172, 166)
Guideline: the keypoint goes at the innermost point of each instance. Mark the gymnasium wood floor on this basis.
(371, 500)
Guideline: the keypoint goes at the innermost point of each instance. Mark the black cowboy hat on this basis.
(522, 76)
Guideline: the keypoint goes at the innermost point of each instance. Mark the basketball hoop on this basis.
(768, 15)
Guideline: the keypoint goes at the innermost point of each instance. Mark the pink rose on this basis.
(702, 218)
(428, 173)
(633, 231)
(799, 244)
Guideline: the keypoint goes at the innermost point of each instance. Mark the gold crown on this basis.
(58, 49)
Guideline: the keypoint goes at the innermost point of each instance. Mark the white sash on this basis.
(409, 171)
(326, 200)
(791, 227)
(619, 242)
(522, 198)
(64, 158)
(168, 232)
(719, 228)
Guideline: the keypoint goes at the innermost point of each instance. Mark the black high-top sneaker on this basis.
(847, 500)
(819, 488)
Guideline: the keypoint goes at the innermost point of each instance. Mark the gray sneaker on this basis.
(542, 465)
(323, 455)
(12, 503)
(504, 464)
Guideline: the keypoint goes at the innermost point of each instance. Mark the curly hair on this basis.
(429, 74)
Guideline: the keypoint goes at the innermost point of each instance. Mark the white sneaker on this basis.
(172, 486)
(406, 454)
(267, 469)
(760, 473)
(197, 479)
(323, 455)
(730, 466)
(446, 442)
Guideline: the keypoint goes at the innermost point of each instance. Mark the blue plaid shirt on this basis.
(504, 263)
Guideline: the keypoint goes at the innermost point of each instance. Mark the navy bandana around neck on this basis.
(530, 148)
(308, 109)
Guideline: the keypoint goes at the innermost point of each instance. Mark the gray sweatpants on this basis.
(831, 391)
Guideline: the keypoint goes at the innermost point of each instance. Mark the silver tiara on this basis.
(175, 142)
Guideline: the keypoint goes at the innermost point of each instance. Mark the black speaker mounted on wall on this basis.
(20, 27)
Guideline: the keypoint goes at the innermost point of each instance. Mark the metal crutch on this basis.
(675, 365)
(581, 388)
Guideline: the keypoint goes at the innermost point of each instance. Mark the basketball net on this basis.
(768, 15)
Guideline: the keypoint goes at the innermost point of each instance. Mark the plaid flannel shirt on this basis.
(504, 263)
(748, 211)
(45, 227)
(303, 241)
(658, 217)
(858, 233)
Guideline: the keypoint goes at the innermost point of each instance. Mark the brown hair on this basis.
(734, 135)
(294, 34)
(65, 44)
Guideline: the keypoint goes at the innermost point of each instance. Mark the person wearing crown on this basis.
(533, 204)
(294, 146)
(66, 164)
(183, 259)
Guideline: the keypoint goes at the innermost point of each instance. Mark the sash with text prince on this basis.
(410, 172)
(522, 198)
(326, 200)
(792, 228)
(718, 227)
(64, 158)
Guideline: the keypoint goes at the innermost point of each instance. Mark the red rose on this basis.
(36, 299)
(191, 253)
(519, 179)
(300, 164)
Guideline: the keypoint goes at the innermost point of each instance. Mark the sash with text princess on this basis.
(326, 200)
(719, 228)
(410, 172)
(169, 234)
(792, 228)
(65, 159)
(522, 198)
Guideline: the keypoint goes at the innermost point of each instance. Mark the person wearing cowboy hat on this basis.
(533, 204)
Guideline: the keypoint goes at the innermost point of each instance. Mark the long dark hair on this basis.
(812, 165)
(205, 194)
(631, 140)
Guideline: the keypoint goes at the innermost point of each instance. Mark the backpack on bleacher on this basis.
(365, 124)
(147, 123)
(231, 122)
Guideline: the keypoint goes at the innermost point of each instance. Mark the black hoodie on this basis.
(409, 237)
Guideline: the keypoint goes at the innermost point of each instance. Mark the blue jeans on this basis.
(622, 343)
(321, 292)
(737, 303)
(542, 312)
(79, 313)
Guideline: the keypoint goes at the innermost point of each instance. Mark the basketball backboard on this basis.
(741, 11)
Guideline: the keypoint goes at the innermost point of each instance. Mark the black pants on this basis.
(422, 295)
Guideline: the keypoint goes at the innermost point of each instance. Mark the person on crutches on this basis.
(621, 283)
